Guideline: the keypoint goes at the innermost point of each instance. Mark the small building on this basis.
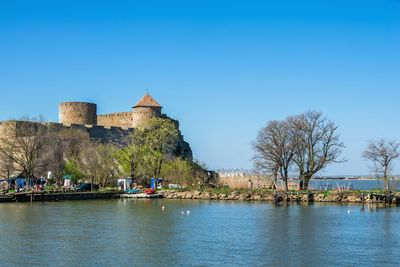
(67, 181)
(125, 183)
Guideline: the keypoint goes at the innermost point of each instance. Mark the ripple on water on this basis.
(139, 233)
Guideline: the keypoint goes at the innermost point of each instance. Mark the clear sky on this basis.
(223, 68)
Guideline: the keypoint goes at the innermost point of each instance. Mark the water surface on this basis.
(139, 233)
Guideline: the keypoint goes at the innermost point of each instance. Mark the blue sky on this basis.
(223, 68)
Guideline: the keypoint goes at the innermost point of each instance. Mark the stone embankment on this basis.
(42, 196)
(281, 197)
(6, 198)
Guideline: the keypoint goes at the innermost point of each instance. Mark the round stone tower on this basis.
(78, 113)
(146, 108)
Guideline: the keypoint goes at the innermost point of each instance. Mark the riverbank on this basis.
(280, 197)
(220, 195)
(59, 196)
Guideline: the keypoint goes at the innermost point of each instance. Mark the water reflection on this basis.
(139, 233)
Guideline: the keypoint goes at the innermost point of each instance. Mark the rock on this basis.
(257, 198)
(222, 196)
(214, 196)
(231, 197)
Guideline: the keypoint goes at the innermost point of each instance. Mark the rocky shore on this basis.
(276, 197)
(281, 197)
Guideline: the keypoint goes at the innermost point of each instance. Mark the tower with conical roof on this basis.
(146, 108)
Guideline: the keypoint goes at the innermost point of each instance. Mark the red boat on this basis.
(149, 191)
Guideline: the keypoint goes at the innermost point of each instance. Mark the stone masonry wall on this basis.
(121, 119)
(243, 181)
(78, 112)
(142, 113)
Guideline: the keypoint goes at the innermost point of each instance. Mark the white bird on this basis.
(349, 211)
(163, 208)
(188, 213)
(182, 212)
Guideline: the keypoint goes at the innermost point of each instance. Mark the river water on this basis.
(139, 233)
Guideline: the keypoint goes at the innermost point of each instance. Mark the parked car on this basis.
(86, 187)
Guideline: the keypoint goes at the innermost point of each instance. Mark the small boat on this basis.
(149, 191)
(133, 191)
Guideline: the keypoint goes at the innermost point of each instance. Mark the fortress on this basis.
(110, 127)
(86, 113)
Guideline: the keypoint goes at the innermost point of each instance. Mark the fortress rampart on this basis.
(121, 119)
(78, 112)
(108, 128)
(140, 114)
(86, 113)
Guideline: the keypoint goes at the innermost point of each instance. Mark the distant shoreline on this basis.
(344, 179)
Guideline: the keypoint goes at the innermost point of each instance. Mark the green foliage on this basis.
(96, 163)
(149, 146)
(71, 168)
(178, 171)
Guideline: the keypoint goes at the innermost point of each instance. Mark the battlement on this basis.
(70, 104)
(78, 112)
(107, 128)
(88, 127)
(86, 113)
(119, 119)
(116, 114)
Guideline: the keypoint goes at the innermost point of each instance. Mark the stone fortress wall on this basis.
(120, 119)
(86, 113)
(141, 113)
(102, 134)
(78, 112)
(105, 127)
(109, 128)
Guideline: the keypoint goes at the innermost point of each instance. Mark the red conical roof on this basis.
(147, 101)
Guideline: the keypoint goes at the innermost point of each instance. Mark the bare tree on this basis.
(53, 155)
(317, 144)
(73, 141)
(99, 164)
(90, 163)
(109, 169)
(382, 153)
(6, 166)
(274, 150)
(22, 142)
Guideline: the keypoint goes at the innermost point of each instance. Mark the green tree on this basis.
(72, 168)
(149, 146)
(161, 142)
(131, 155)
(185, 173)
(178, 171)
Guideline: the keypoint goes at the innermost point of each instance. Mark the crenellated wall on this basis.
(120, 119)
(78, 112)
